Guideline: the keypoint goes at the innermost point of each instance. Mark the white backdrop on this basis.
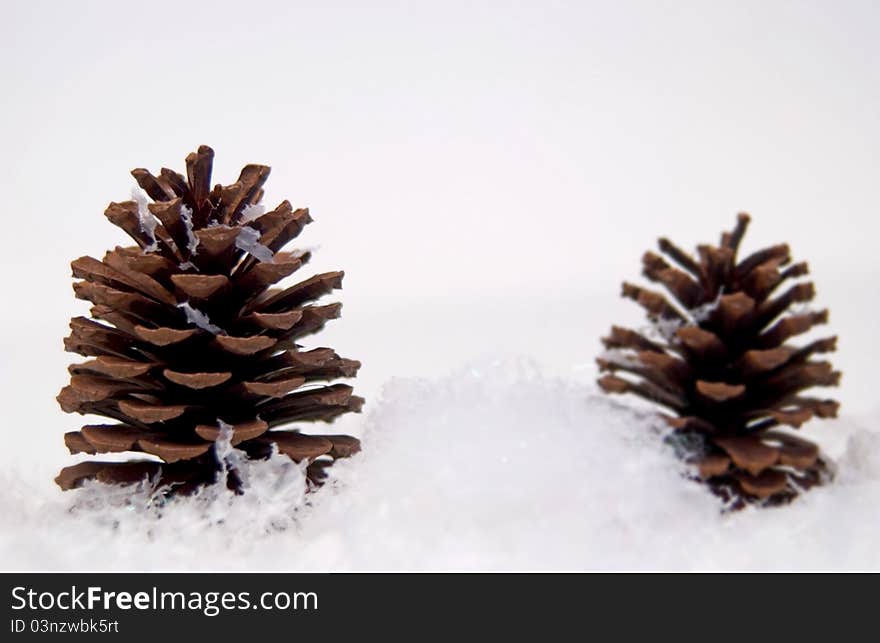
(486, 174)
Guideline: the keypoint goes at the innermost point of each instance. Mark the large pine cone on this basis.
(191, 343)
(723, 366)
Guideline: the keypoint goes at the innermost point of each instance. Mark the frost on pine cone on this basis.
(723, 366)
(193, 348)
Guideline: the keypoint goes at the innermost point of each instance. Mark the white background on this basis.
(486, 173)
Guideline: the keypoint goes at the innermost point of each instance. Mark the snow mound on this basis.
(148, 222)
(497, 467)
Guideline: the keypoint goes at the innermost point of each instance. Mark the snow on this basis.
(231, 459)
(497, 466)
(251, 212)
(248, 239)
(200, 319)
(192, 243)
(147, 220)
(660, 329)
(701, 313)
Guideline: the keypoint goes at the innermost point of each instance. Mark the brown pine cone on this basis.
(724, 368)
(192, 343)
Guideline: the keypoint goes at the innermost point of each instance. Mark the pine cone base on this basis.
(737, 486)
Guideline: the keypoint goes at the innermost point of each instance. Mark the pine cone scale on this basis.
(199, 165)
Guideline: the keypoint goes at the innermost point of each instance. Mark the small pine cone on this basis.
(192, 343)
(723, 366)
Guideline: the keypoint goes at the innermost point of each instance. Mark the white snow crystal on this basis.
(661, 329)
(252, 211)
(192, 240)
(147, 220)
(200, 319)
(702, 312)
(230, 458)
(248, 239)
